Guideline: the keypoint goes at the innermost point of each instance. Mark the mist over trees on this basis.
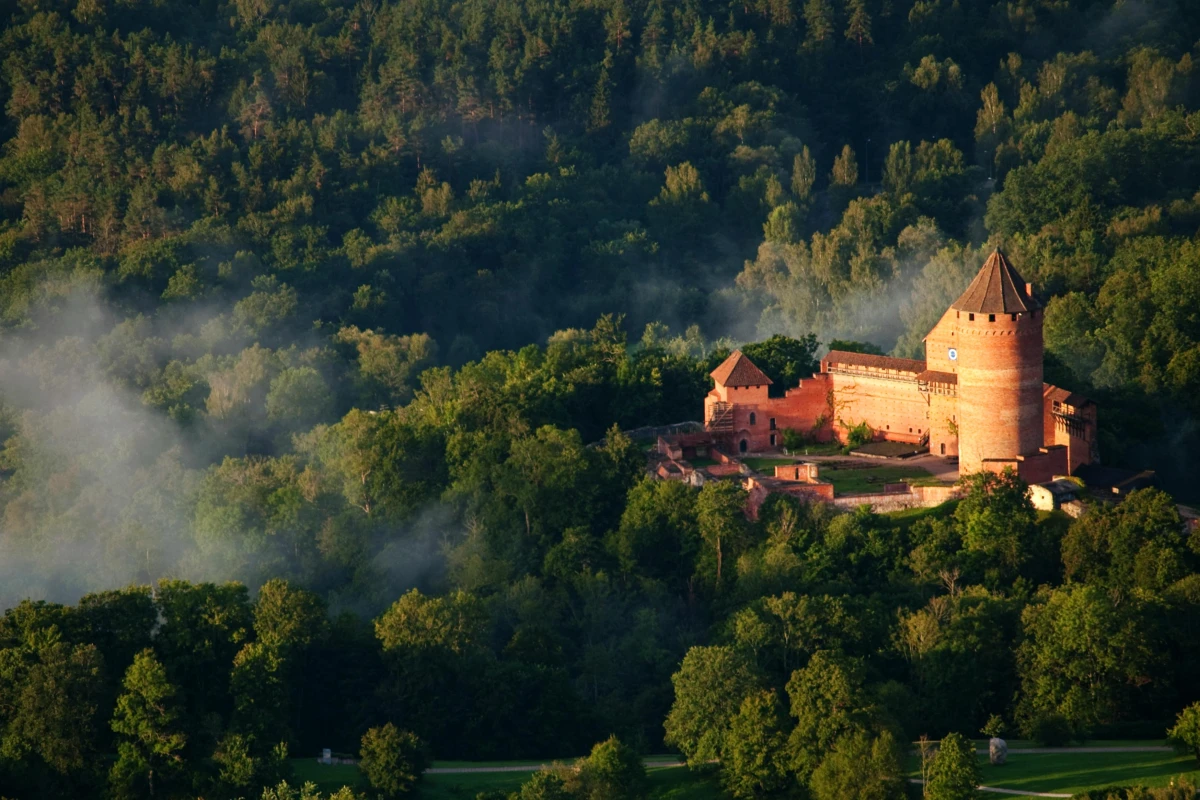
(323, 318)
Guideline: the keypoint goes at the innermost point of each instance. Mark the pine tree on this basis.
(617, 24)
(818, 18)
(653, 41)
(147, 719)
(858, 28)
(600, 115)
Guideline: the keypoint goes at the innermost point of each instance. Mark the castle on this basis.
(978, 395)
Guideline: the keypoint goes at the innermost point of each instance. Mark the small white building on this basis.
(1054, 494)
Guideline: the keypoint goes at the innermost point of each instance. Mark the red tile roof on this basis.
(737, 370)
(1064, 396)
(997, 289)
(870, 360)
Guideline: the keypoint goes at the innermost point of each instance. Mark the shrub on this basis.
(1050, 730)
(613, 771)
(793, 439)
(860, 434)
(954, 773)
(994, 726)
(859, 766)
(1185, 735)
(393, 760)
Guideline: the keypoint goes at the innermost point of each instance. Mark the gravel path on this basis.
(998, 790)
(1045, 751)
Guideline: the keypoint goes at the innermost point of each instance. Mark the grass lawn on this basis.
(328, 778)
(666, 783)
(890, 449)
(1025, 744)
(464, 786)
(870, 479)
(766, 464)
(1068, 773)
(1057, 772)
(702, 462)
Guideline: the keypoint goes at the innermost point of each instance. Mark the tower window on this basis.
(772, 423)
(991, 317)
(971, 317)
(1014, 317)
(753, 418)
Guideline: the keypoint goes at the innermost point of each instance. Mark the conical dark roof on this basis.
(997, 289)
(737, 370)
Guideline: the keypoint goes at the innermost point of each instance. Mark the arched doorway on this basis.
(742, 446)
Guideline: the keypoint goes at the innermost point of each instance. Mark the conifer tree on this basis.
(858, 27)
(600, 115)
(150, 752)
(818, 17)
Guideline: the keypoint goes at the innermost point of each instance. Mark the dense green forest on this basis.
(348, 303)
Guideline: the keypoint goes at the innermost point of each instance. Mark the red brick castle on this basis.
(978, 395)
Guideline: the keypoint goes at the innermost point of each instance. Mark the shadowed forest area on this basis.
(320, 321)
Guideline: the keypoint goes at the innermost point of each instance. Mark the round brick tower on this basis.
(999, 366)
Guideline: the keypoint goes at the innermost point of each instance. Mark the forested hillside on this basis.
(358, 295)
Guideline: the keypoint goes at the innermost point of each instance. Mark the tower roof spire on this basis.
(997, 289)
(738, 370)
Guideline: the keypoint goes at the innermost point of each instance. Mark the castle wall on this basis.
(943, 423)
(807, 405)
(891, 404)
